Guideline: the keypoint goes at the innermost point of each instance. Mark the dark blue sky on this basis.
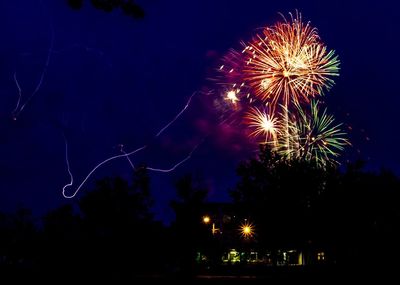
(112, 79)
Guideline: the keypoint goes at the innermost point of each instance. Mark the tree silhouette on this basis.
(120, 236)
(283, 197)
(19, 245)
(110, 233)
(187, 229)
(61, 238)
(368, 218)
(352, 215)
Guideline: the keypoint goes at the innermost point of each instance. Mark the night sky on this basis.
(112, 80)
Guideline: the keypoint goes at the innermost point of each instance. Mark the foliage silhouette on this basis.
(353, 215)
(282, 197)
(187, 229)
(120, 233)
(110, 234)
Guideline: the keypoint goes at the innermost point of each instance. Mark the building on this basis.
(233, 240)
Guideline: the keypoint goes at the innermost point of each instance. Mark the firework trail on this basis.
(71, 177)
(19, 108)
(93, 170)
(19, 93)
(179, 163)
(177, 116)
(125, 155)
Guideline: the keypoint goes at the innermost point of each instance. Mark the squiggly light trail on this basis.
(94, 169)
(71, 177)
(18, 109)
(127, 157)
(179, 163)
(124, 154)
(19, 93)
(177, 116)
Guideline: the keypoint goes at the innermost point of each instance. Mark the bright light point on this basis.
(267, 124)
(231, 95)
(206, 219)
(286, 73)
(246, 230)
(263, 124)
(265, 83)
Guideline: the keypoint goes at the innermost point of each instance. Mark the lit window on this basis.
(321, 256)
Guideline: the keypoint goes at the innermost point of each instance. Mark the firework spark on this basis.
(288, 62)
(314, 136)
(263, 124)
(231, 96)
(285, 67)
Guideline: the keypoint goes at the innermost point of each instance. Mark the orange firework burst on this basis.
(289, 62)
(263, 124)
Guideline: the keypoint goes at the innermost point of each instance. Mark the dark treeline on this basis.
(110, 232)
(352, 214)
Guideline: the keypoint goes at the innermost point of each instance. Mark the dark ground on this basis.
(297, 275)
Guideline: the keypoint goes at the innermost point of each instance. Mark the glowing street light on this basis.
(207, 220)
(246, 230)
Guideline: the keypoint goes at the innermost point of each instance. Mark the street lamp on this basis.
(206, 219)
(246, 229)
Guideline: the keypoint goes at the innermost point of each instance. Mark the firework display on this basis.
(263, 124)
(314, 135)
(271, 87)
(288, 62)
